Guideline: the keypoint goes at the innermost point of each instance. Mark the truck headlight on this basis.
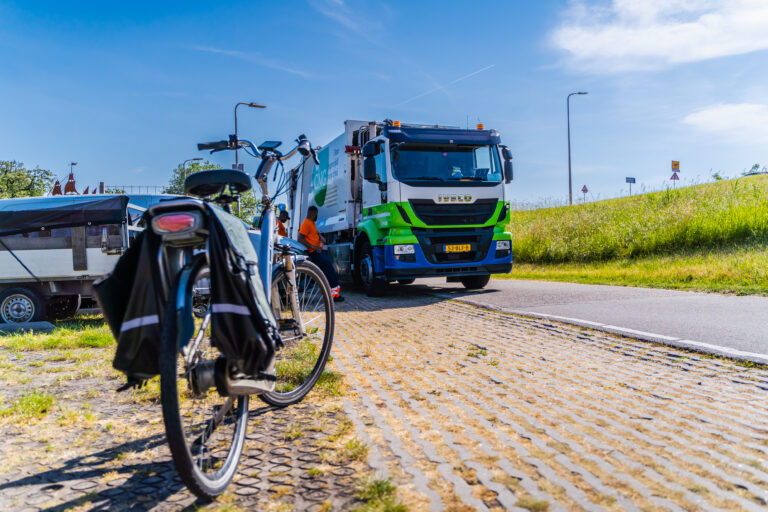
(405, 253)
(503, 248)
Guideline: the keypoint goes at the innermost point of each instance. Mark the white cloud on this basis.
(741, 122)
(630, 35)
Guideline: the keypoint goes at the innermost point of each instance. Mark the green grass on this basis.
(711, 237)
(30, 406)
(78, 333)
(378, 495)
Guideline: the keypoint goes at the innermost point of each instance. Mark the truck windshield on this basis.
(445, 163)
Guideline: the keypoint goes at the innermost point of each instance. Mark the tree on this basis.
(17, 181)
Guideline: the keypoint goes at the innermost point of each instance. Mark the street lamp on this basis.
(568, 109)
(184, 164)
(252, 105)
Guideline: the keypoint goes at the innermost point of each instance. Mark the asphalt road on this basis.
(737, 323)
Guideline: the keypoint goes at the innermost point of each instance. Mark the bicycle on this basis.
(205, 428)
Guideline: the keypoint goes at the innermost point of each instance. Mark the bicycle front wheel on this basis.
(306, 327)
(205, 431)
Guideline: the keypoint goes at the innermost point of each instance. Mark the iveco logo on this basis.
(454, 198)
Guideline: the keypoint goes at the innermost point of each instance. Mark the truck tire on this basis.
(406, 281)
(475, 282)
(63, 306)
(373, 286)
(20, 305)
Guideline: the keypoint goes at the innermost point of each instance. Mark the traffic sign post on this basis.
(584, 191)
(630, 181)
(675, 178)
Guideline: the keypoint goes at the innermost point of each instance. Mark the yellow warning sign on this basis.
(675, 165)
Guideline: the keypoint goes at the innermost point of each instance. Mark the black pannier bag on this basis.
(133, 310)
(243, 325)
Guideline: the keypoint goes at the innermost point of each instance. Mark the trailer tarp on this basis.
(37, 213)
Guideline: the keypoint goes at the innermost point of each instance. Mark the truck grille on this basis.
(433, 242)
(434, 214)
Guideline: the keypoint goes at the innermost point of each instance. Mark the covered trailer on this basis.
(52, 249)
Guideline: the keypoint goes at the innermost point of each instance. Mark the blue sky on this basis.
(128, 90)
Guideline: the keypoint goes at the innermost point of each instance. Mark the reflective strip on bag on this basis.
(235, 309)
(139, 322)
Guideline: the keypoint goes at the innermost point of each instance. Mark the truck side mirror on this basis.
(508, 172)
(369, 169)
(370, 150)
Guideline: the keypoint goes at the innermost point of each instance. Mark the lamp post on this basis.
(184, 164)
(252, 105)
(568, 110)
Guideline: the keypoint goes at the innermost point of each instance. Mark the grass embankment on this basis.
(711, 237)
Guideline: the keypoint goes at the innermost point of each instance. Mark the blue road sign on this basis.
(630, 180)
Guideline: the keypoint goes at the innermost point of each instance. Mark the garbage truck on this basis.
(397, 202)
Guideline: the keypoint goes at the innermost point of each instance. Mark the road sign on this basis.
(584, 189)
(675, 177)
(630, 180)
(675, 166)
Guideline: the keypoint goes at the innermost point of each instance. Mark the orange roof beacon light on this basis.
(480, 126)
(396, 123)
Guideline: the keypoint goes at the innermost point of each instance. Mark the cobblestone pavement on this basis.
(467, 408)
(101, 450)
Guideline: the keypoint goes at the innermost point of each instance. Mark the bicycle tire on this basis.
(309, 279)
(201, 483)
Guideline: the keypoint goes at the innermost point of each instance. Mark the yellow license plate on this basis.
(458, 248)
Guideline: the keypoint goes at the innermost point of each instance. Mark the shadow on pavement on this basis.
(77, 482)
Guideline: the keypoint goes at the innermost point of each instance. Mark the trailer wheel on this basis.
(372, 285)
(63, 306)
(475, 282)
(19, 305)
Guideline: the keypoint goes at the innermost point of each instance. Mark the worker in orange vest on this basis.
(281, 221)
(310, 238)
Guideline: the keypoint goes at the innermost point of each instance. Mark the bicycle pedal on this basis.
(250, 385)
(241, 384)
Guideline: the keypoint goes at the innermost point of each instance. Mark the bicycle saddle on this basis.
(208, 183)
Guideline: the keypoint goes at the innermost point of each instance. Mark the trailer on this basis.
(398, 202)
(52, 250)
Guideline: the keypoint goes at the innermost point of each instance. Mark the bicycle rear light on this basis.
(177, 222)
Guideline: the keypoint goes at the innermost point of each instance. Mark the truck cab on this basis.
(398, 202)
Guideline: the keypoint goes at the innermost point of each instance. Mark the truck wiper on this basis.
(418, 178)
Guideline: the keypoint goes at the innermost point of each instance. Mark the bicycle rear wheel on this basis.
(205, 431)
(299, 364)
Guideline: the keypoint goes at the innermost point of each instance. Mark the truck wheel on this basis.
(63, 306)
(373, 286)
(475, 282)
(406, 281)
(20, 305)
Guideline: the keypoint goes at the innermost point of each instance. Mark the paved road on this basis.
(728, 321)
